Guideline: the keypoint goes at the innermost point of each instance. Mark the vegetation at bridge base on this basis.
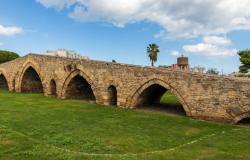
(245, 60)
(6, 56)
(36, 127)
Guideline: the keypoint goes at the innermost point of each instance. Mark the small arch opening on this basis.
(244, 121)
(31, 82)
(79, 88)
(112, 96)
(159, 98)
(3, 83)
(53, 91)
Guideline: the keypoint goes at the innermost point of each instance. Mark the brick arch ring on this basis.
(21, 74)
(240, 117)
(83, 75)
(135, 96)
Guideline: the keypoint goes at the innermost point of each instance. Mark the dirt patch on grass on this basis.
(7, 142)
(192, 131)
(164, 109)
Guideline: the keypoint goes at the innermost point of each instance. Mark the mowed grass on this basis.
(169, 99)
(36, 127)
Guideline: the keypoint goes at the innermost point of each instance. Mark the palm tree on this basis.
(153, 51)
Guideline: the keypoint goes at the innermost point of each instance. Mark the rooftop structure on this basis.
(182, 64)
(65, 53)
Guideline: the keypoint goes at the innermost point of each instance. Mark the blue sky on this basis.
(123, 30)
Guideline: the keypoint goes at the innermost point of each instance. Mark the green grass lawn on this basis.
(36, 127)
(169, 99)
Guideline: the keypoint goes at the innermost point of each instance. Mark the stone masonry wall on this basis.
(202, 96)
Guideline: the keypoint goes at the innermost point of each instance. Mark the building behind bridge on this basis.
(65, 53)
(182, 64)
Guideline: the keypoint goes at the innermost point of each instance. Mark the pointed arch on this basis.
(112, 95)
(31, 82)
(30, 79)
(79, 86)
(152, 90)
(52, 88)
(3, 82)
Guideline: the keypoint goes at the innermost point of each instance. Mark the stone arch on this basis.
(79, 86)
(52, 88)
(30, 79)
(160, 87)
(241, 117)
(5, 78)
(112, 95)
(3, 82)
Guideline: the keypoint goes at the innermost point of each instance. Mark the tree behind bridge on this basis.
(6, 56)
(245, 60)
(212, 71)
(153, 51)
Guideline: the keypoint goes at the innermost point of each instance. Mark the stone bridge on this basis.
(202, 96)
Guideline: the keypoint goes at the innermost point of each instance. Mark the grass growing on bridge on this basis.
(36, 127)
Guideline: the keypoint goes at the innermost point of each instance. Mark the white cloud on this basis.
(211, 46)
(58, 4)
(178, 18)
(1, 44)
(174, 53)
(9, 31)
(216, 40)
